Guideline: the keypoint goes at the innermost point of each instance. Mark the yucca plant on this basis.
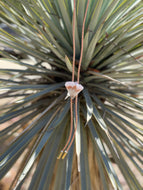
(109, 109)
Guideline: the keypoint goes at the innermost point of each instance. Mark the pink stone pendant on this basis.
(73, 89)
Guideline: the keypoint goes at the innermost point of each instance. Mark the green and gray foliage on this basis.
(110, 108)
